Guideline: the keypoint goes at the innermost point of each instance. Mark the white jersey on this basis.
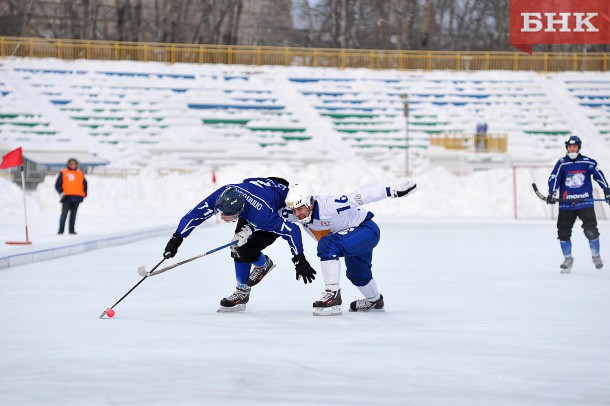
(337, 213)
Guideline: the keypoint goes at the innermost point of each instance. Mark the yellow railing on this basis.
(314, 57)
(470, 142)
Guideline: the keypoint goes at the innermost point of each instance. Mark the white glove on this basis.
(402, 189)
(242, 236)
(61, 197)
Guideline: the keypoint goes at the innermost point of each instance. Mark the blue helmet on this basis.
(230, 202)
(574, 140)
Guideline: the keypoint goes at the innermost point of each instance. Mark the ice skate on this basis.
(566, 267)
(598, 262)
(259, 272)
(329, 304)
(236, 302)
(365, 305)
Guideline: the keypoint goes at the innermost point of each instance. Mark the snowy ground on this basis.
(477, 314)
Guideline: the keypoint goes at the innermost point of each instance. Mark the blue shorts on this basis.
(356, 246)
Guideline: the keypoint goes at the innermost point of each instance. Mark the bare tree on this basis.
(369, 24)
(15, 16)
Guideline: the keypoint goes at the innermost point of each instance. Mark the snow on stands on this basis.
(217, 114)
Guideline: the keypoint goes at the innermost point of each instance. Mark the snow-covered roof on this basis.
(61, 157)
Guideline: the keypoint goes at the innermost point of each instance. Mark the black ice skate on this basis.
(329, 304)
(566, 267)
(598, 262)
(236, 302)
(365, 305)
(259, 272)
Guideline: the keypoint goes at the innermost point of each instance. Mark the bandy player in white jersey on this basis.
(343, 229)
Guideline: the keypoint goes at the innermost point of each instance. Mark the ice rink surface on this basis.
(477, 313)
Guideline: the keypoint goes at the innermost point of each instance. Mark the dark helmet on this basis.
(230, 202)
(72, 160)
(574, 140)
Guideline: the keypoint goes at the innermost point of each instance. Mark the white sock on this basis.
(370, 290)
(331, 270)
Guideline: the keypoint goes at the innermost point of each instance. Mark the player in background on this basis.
(572, 177)
(255, 204)
(343, 229)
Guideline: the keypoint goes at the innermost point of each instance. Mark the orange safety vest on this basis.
(73, 182)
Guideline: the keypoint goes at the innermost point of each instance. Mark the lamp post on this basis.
(405, 111)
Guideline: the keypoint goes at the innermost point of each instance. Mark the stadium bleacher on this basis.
(213, 114)
(594, 97)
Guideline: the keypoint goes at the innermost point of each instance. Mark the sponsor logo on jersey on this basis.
(255, 203)
(575, 179)
(325, 223)
(359, 199)
(576, 196)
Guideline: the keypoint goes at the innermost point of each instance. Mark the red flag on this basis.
(13, 158)
(559, 22)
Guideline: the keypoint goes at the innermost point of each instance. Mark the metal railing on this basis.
(291, 56)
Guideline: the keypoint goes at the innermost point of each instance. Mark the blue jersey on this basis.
(265, 199)
(573, 179)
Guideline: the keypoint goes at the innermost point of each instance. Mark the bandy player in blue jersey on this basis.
(256, 204)
(571, 176)
(343, 229)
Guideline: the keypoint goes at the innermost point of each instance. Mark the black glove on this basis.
(550, 199)
(171, 249)
(303, 268)
(607, 195)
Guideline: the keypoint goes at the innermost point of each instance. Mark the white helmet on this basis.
(301, 194)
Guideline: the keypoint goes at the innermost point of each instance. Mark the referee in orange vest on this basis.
(72, 188)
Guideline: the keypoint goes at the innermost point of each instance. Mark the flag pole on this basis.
(25, 210)
(25, 214)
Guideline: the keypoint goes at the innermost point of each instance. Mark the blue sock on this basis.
(566, 248)
(261, 261)
(242, 271)
(594, 245)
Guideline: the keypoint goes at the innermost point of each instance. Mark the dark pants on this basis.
(566, 219)
(66, 207)
(251, 251)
